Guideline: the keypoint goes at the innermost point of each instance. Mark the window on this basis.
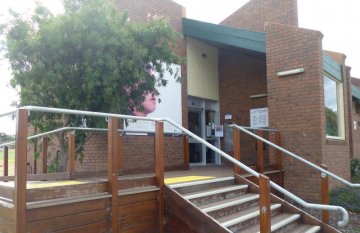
(334, 109)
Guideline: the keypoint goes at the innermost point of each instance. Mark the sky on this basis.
(338, 20)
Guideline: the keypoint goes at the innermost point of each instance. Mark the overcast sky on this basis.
(338, 20)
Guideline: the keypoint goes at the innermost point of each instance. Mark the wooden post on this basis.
(325, 194)
(159, 170)
(6, 161)
(236, 143)
(186, 151)
(121, 153)
(71, 142)
(265, 215)
(35, 160)
(44, 154)
(113, 125)
(260, 157)
(277, 152)
(20, 171)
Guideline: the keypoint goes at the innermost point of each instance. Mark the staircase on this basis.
(231, 204)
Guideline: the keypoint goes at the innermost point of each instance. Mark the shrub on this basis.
(355, 167)
(347, 198)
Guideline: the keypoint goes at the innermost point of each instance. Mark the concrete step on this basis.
(242, 219)
(279, 223)
(217, 194)
(303, 228)
(197, 186)
(230, 206)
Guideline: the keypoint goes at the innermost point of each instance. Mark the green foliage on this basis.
(89, 58)
(92, 57)
(6, 138)
(331, 122)
(355, 167)
(55, 165)
(347, 198)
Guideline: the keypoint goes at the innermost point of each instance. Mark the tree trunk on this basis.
(63, 154)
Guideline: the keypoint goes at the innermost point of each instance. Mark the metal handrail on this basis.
(81, 128)
(257, 128)
(295, 156)
(345, 217)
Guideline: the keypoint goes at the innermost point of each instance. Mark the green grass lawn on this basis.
(11, 162)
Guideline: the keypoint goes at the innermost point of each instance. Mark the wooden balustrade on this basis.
(113, 125)
(264, 204)
(71, 154)
(6, 161)
(278, 155)
(44, 154)
(237, 153)
(20, 167)
(186, 151)
(260, 153)
(325, 194)
(121, 153)
(159, 170)
(260, 166)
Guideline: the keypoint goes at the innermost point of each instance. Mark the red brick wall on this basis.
(255, 13)
(336, 153)
(240, 76)
(138, 154)
(296, 103)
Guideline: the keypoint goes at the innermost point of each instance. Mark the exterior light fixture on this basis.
(290, 72)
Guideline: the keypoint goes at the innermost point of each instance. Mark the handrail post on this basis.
(44, 154)
(71, 141)
(265, 216)
(6, 161)
(325, 194)
(278, 155)
(159, 169)
(236, 148)
(20, 171)
(260, 157)
(121, 153)
(113, 125)
(186, 151)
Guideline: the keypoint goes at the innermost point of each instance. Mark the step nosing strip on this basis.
(204, 194)
(284, 222)
(228, 204)
(314, 229)
(181, 185)
(247, 216)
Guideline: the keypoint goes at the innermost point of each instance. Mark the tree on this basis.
(6, 138)
(331, 122)
(91, 57)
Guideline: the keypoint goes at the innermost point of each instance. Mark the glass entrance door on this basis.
(195, 126)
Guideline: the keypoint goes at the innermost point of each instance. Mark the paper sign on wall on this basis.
(219, 131)
(259, 117)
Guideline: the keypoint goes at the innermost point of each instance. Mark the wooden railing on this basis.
(114, 147)
(264, 181)
(260, 165)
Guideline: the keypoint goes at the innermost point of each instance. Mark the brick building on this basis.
(244, 63)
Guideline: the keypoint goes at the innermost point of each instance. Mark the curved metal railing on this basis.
(345, 217)
(297, 157)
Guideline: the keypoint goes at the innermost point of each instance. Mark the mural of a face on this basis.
(148, 105)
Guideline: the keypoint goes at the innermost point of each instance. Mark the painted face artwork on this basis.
(148, 105)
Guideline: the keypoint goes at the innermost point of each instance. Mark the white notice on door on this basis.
(259, 117)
